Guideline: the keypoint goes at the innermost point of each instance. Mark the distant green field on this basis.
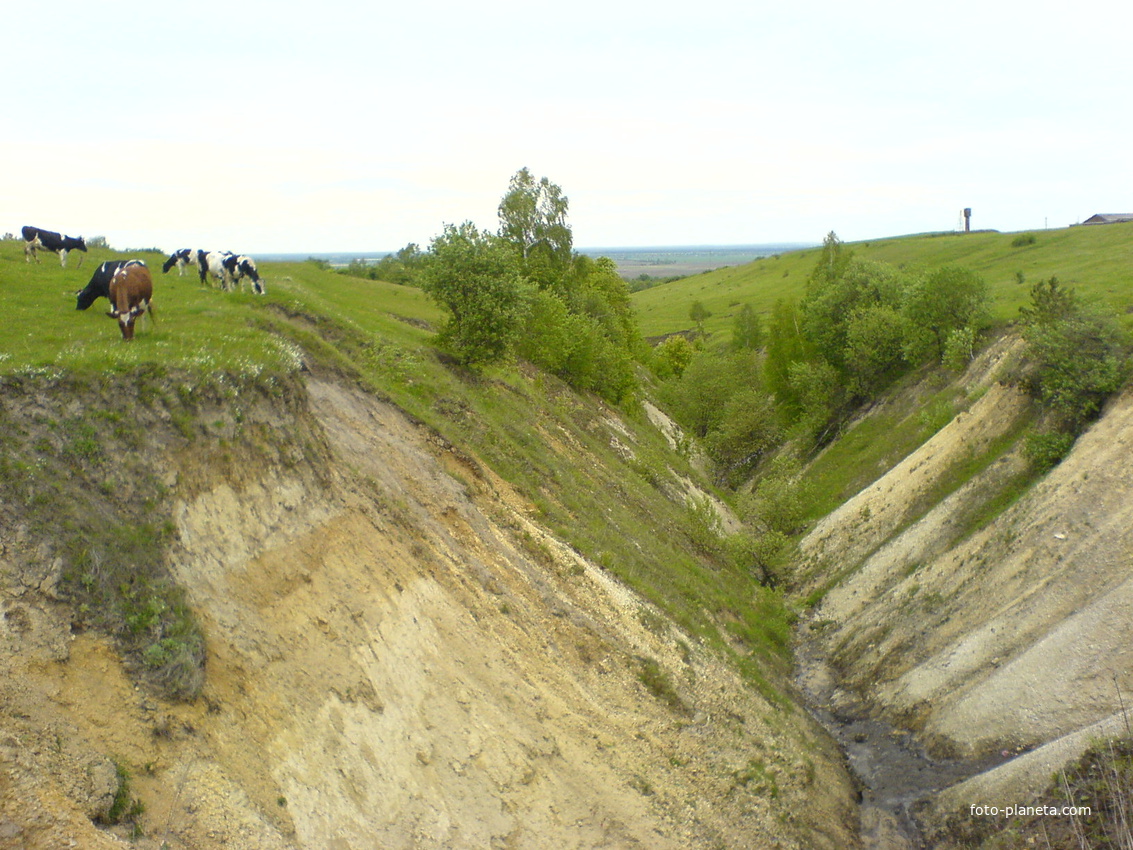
(1096, 259)
(672, 262)
(197, 327)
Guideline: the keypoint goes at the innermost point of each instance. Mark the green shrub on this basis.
(762, 555)
(658, 683)
(672, 356)
(125, 808)
(780, 500)
(704, 527)
(1046, 450)
(748, 431)
(959, 348)
(473, 275)
(1081, 354)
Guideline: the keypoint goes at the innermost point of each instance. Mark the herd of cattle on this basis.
(127, 284)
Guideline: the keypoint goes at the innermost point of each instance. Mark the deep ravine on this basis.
(895, 773)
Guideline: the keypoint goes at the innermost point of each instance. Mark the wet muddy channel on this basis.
(894, 772)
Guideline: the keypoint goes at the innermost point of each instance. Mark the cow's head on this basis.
(248, 268)
(85, 297)
(183, 254)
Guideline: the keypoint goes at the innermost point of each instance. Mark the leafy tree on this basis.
(699, 314)
(786, 345)
(1081, 353)
(672, 356)
(820, 392)
(584, 329)
(523, 290)
(747, 330)
(598, 290)
(533, 219)
(832, 263)
(697, 398)
(402, 268)
(832, 302)
(780, 501)
(749, 429)
(1050, 302)
(942, 303)
(473, 275)
(764, 554)
(959, 348)
(874, 348)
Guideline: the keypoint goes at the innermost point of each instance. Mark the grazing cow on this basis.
(182, 258)
(131, 294)
(212, 262)
(99, 286)
(36, 238)
(240, 267)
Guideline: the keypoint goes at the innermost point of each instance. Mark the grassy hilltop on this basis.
(197, 328)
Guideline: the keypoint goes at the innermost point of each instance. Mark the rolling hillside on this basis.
(1099, 259)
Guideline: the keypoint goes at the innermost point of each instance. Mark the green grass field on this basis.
(1097, 259)
(197, 327)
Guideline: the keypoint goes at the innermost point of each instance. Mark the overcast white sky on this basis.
(339, 126)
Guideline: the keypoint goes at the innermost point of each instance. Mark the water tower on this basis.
(967, 219)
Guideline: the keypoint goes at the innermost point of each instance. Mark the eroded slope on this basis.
(1017, 636)
(398, 656)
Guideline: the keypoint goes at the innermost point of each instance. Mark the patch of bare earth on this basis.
(398, 657)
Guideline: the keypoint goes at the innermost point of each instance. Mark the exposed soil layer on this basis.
(398, 656)
(1011, 641)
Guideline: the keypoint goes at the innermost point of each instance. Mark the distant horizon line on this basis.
(739, 246)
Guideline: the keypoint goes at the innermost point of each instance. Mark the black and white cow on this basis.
(212, 263)
(240, 267)
(183, 257)
(36, 238)
(99, 286)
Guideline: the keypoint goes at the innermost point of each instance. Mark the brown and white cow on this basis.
(131, 294)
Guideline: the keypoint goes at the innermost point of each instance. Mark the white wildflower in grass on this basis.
(289, 355)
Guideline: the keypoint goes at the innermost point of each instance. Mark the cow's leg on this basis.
(140, 310)
(29, 252)
(63, 257)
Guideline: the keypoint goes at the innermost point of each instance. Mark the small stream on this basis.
(894, 771)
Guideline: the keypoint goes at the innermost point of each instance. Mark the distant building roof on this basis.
(1108, 218)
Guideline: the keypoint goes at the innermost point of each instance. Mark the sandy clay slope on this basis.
(1017, 638)
(398, 657)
